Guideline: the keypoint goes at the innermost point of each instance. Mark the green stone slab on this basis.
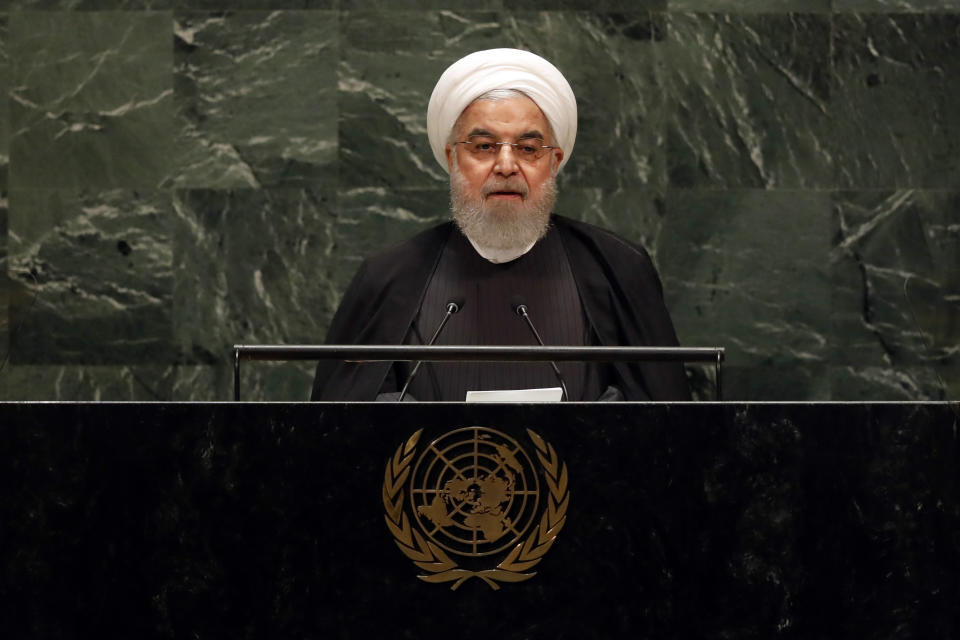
(895, 289)
(256, 99)
(373, 218)
(275, 382)
(746, 270)
(255, 5)
(79, 383)
(895, 101)
(91, 99)
(895, 6)
(390, 62)
(421, 5)
(4, 288)
(90, 5)
(4, 104)
(615, 79)
(587, 5)
(751, 6)
(635, 214)
(91, 277)
(749, 100)
(252, 266)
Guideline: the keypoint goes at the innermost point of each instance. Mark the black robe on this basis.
(618, 285)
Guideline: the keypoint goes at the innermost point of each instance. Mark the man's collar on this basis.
(500, 256)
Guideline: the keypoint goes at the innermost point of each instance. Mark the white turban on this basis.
(474, 75)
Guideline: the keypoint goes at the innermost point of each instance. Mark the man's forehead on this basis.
(517, 116)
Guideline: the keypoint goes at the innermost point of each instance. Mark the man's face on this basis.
(502, 201)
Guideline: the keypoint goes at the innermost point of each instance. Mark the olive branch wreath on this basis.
(431, 558)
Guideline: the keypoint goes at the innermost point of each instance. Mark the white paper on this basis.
(550, 394)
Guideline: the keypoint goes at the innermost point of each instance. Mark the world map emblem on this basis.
(474, 503)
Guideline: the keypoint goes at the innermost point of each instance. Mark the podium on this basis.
(226, 520)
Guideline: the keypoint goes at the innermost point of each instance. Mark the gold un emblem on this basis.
(474, 494)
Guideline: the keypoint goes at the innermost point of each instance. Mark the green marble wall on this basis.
(181, 175)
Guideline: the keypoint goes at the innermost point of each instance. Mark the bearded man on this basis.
(503, 122)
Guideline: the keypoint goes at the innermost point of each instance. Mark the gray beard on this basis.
(502, 226)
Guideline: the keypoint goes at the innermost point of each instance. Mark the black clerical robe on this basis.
(619, 289)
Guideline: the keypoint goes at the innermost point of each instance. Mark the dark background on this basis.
(179, 176)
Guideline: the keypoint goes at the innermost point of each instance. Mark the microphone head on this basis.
(455, 303)
(516, 303)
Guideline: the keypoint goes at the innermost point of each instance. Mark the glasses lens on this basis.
(480, 145)
(526, 148)
(530, 148)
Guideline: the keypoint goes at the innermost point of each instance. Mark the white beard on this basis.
(501, 227)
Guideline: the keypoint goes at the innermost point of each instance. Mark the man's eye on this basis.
(483, 146)
(527, 149)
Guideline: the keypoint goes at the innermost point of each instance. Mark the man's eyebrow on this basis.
(486, 133)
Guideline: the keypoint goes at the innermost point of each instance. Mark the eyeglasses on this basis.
(528, 149)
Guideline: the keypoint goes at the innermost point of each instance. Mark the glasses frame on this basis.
(514, 145)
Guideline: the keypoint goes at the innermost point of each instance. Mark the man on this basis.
(503, 123)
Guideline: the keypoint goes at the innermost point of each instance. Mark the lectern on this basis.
(622, 520)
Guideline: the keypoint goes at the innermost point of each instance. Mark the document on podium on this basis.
(549, 394)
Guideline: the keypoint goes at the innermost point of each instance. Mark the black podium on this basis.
(248, 520)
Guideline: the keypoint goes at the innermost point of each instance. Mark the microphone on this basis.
(454, 304)
(521, 310)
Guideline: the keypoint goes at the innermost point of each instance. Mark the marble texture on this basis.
(895, 96)
(751, 6)
(896, 6)
(251, 266)
(789, 165)
(90, 97)
(256, 101)
(896, 293)
(91, 277)
(4, 104)
(749, 100)
(745, 270)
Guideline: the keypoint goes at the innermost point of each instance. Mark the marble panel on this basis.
(587, 5)
(373, 218)
(389, 64)
(611, 61)
(384, 97)
(895, 97)
(896, 293)
(745, 270)
(4, 290)
(635, 214)
(71, 383)
(4, 104)
(252, 266)
(256, 99)
(421, 5)
(91, 277)
(750, 98)
(895, 6)
(254, 5)
(90, 5)
(182, 383)
(90, 104)
(751, 6)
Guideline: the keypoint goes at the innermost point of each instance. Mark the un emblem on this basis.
(475, 493)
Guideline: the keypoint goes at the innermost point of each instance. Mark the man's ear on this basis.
(557, 158)
(448, 150)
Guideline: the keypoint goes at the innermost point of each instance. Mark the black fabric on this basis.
(619, 289)
(542, 280)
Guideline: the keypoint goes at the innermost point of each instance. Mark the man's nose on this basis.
(506, 160)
